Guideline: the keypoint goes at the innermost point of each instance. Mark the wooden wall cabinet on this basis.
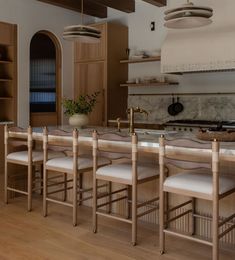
(90, 52)
(8, 80)
(98, 68)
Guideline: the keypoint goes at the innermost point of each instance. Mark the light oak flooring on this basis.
(30, 236)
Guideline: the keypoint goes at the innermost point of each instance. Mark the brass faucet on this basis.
(118, 124)
(131, 112)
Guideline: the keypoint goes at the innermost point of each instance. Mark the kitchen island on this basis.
(148, 147)
(148, 140)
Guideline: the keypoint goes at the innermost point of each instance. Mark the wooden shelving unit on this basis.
(8, 72)
(8, 80)
(141, 60)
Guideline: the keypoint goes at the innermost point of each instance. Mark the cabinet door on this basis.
(91, 77)
(91, 52)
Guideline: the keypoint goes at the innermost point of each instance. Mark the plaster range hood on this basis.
(199, 50)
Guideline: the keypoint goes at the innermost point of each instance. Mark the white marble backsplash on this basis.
(204, 107)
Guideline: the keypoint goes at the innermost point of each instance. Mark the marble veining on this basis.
(203, 107)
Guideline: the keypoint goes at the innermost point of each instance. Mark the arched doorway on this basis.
(45, 80)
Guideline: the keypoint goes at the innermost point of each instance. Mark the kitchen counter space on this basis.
(148, 140)
(138, 123)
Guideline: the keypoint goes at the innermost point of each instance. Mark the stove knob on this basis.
(174, 128)
(180, 129)
(190, 129)
(185, 129)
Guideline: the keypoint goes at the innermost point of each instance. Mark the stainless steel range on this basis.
(192, 125)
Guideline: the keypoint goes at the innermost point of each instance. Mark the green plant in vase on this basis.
(79, 109)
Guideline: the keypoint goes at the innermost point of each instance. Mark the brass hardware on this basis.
(119, 124)
(131, 112)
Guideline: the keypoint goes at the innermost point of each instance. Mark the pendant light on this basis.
(188, 16)
(82, 33)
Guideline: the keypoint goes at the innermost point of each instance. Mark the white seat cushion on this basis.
(84, 162)
(37, 156)
(199, 182)
(124, 171)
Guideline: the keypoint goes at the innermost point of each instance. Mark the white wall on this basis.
(141, 38)
(32, 16)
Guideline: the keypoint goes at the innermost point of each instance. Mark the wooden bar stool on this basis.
(130, 173)
(29, 157)
(198, 180)
(72, 166)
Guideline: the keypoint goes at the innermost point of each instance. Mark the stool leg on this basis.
(109, 208)
(193, 225)
(94, 208)
(6, 184)
(75, 199)
(215, 230)
(134, 214)
(44, 192)
(129, 199)
(30, 169)
(161, 221)
(65, 187)
(41, 179)
(80, 188)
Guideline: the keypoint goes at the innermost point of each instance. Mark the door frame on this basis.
(58, 74)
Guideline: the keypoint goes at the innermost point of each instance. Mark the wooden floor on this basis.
(26, 235)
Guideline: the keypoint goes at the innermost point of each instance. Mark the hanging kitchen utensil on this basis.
(178, 107)
(171, 110)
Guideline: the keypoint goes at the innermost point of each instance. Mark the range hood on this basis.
(199, 50)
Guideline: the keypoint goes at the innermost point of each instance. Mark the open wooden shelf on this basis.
(150, 59)
(156, 84)
(5, 80)
(5, 98)
(5, 62)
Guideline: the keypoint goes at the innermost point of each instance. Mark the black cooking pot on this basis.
(178, 107)
(171, 109)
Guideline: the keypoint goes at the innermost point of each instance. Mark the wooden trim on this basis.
(158, 3)
(127, 6)
(114, 217)
(90, 8)
(169, 232)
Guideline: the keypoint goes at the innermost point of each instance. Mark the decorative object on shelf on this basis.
(82, 33)
(188, 16)
(219, 135)
(79, 109)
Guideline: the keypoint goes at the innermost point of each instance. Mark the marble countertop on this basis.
(147, 140)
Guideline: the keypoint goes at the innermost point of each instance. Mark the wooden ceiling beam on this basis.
(127, 6)
(158, 3)
(90, 8)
